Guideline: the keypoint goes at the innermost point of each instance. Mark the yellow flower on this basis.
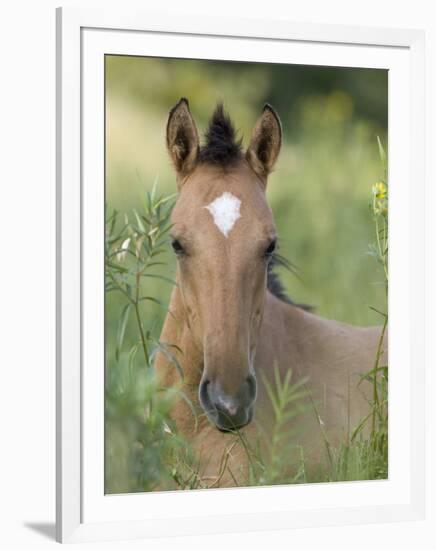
(380, 190)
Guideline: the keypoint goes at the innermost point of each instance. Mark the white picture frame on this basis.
(84, 513)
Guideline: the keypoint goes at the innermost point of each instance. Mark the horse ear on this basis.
(265, 144)
(182, 138)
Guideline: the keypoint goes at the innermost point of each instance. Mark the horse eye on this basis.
(177, 247)
(271, 249)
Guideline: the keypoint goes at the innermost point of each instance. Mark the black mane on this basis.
(275, 286)
(221, 147)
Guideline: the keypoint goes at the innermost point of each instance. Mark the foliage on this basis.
(287, 400)
(139, 429)
(131, 253)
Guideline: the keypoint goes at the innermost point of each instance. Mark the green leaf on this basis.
(117, 267)
(171, 358)
(139, 222)
(153, 190)
(158, 302)
(157, 251)
(132, 354)
(161, 234)
(164, 200)
(152, 264)
(122, 323)
(166, 279)
(121, 251)
(381, 153)
(113, 239)
(147, 221)
(168, 345)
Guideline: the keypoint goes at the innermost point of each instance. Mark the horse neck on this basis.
(312, 346)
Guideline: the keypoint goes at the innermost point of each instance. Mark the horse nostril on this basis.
(204, 394)
(252, 386)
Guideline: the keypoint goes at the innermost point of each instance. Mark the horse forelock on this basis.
(221, 145)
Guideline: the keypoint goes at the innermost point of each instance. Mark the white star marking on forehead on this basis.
(225, 212)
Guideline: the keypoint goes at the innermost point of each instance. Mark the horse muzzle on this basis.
(228, 412)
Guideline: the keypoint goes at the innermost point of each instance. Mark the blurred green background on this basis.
(321, 187)
(319, 192)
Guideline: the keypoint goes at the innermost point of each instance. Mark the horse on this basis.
(234, 331)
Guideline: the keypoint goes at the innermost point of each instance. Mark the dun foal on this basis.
(229, 316)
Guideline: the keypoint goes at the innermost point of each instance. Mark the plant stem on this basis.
(138, 318)
(376, 366)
